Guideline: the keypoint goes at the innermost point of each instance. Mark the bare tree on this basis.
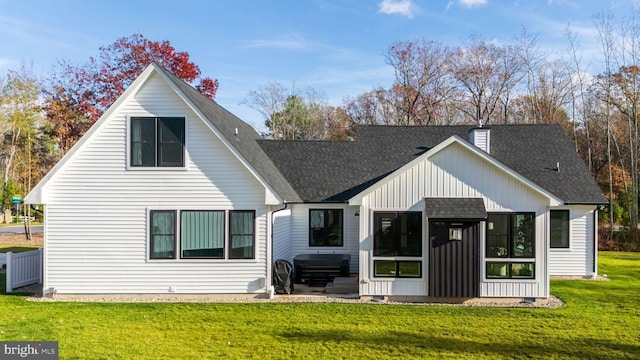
(604, 24)
(486, 73)
(371, 108)
(420, 70)
(268, 100)
(299, 114)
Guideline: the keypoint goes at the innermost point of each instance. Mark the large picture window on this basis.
(397, 234)
(157, 141)
(202, 234)
(510, 238)
(559, 233)
(325, 227)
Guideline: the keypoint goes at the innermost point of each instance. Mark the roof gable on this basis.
(222, 123)
(447, 144)
(239, 136)
(38, 194)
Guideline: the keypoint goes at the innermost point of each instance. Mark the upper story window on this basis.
(325, 227)
(157, 141)
(559, 228)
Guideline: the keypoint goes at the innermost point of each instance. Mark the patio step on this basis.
(342, 285)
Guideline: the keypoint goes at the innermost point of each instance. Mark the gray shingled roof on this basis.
(325, 171)
(322, 171)
(245, 143)
(455, 208)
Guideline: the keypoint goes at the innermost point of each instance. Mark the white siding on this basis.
(282, 235)
(453, 172)
(96, 239)
(300, 233)
(578, 259)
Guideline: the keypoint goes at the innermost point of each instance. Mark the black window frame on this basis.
(397, 272)
(509, 259)
(322, 237)
(509, 270)
(160, 142)
(235, 254)
(511, 247)
(153, 234)
(178, 245)
(202, 253)
(390, 225)
(565, 231)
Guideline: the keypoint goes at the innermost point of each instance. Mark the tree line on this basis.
(485, 83)
(479, 82)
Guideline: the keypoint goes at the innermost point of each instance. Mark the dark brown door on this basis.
(454, 265)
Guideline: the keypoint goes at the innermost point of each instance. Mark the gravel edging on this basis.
(552, 303)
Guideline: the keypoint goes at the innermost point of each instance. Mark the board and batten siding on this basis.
(97, 216)
(577, 260)
(453, 172)
(300, 233)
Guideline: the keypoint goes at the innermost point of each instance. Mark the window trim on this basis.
(510, 260)
(325, 239)
(151, 235)
(398, 275)
(397, 248)
(224, 240)
(551, 246)
(178, 237)
(509, 273)
(230, 235)
(510, 250)
(129, 145)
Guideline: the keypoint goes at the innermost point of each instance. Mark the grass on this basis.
(601, 320)
(18, 248)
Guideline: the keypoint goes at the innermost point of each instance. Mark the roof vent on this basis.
(481, 137)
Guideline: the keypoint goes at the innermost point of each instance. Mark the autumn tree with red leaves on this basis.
(78, 95)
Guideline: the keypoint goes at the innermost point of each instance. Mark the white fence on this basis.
(23, 269)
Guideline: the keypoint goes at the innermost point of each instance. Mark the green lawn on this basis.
(17, 248)
(601, 320)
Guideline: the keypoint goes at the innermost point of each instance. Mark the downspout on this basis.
(269, 284)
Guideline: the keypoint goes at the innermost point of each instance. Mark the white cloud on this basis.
(473, 3)
(402, 7)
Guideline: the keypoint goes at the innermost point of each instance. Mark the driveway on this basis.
(19, 229)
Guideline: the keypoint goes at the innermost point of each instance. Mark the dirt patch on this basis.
(20, 239)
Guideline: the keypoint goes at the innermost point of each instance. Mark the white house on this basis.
(170, 193)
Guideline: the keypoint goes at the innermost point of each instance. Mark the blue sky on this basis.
(333, 46)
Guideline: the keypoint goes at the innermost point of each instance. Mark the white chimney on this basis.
(481, 138)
